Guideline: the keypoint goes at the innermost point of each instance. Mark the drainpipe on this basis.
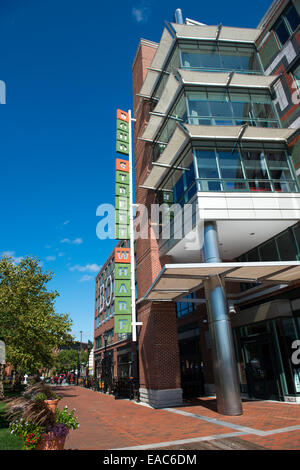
(178, 16)
(224, 361)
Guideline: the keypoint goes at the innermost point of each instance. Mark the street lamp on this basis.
(104, 364)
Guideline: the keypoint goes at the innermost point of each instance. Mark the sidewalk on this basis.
(106, 423)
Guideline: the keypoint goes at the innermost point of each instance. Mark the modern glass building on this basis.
(220, 301)
(217, 150)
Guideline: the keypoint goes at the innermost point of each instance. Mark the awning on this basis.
(178, 280)
(232, 133)
(149, 83)
(225, 33)
(166, 159)
(240, 80)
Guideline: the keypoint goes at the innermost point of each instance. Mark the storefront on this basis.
(264, 336)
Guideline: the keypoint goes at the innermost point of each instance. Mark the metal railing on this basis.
(120, 387)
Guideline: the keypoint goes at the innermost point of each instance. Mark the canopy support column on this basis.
(224, 361)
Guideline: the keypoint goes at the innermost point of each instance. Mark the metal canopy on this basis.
(178, 280)
(245, 35)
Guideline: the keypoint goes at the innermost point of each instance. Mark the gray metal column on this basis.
(224, 361)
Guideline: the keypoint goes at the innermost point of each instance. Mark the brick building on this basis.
(216, 131)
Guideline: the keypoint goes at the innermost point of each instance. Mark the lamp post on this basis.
(104, 364)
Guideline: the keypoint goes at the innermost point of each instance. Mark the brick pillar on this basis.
(159, 366)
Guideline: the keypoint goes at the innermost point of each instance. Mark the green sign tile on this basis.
(167, 197)
(122, 147)
(122, 136)
(122, 232)
(122, 203)
(122, 189)
(122, 271)
(122, 305)
(122, 125)
(122, 324)
(122, 177)
(122, 288)
(122, 217)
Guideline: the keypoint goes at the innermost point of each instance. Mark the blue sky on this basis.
(67, 68)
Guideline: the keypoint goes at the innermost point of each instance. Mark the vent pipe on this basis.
(178, 16)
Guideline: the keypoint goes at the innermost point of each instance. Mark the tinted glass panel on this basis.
(268, 251)
(286, 247)
(282, 32)
(293, 18)
(230, 165)
(207, 165)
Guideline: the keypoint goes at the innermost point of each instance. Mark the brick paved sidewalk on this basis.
(106, 423)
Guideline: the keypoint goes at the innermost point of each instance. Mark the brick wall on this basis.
(158, 344)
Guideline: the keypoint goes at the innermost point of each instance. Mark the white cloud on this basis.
(77, 241)
(86, 278)
(50, 258)
(11, 254)
(8, 253)
(61, 253)
(66, 222)
(141, 13)
(92, 268)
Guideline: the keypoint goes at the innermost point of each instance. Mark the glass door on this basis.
(260, 370)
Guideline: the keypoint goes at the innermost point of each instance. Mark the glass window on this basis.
(296, 231)
(210, 57)
(292, 18)
(190, 175)
(198, 109)
(260, 186)
(282, 32)
(230, 164)
(230, 60)
(191, 60)
(220, 109)
(268, 251)
(296, 75)
(255, 165)
(207, 164)
(286, 246)
(178, 189)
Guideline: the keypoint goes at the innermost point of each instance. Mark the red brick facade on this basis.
(158, 344)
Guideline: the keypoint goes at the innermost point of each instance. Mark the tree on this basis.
(29, 324)
(67, 359)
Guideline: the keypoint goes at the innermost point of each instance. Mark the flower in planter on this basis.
(35, 423)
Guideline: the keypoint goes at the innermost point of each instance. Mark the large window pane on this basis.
(207, 165)
(268, 251)
(220, 109)
(230, 165)
(190, 175)
(292, 18)
(210, 58)
(286, 247)
(282, 32)
(191, 59)
(296, 231)
(277, 160)
(255, 165)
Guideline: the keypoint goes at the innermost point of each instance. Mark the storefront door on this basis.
(260, 369)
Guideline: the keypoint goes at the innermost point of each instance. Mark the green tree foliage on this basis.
(67, 360)
(29, 324)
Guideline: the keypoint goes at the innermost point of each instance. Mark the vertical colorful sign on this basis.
(122, 290)
(123, 314)
(122, 200)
